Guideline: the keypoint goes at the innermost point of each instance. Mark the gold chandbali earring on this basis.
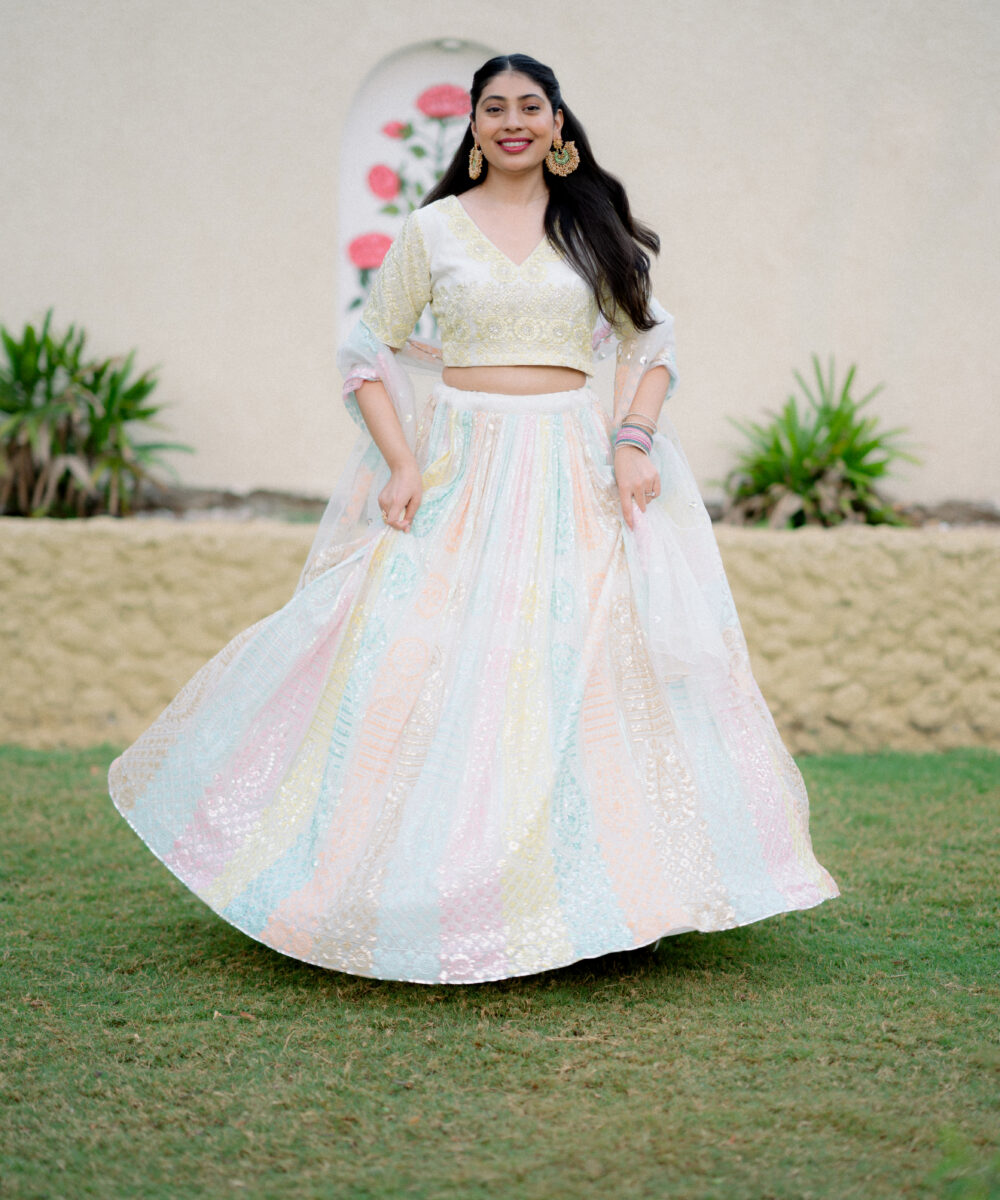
(475, 161)
(563, 158)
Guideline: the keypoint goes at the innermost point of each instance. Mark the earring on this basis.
(475, 161)
(563, 158)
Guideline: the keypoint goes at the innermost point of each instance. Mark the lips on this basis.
(514, 145)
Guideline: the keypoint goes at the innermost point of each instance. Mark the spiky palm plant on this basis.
(815, 464)
(67, 427)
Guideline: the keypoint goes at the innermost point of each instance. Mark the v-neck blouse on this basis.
(490, 310)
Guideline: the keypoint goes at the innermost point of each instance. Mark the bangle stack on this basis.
(636, 430)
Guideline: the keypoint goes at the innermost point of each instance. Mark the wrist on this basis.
(401, 460)
(632, 437)
(639, 419)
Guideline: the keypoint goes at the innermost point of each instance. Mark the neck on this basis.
(521, 190)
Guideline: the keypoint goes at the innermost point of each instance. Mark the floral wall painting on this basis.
(404, 125)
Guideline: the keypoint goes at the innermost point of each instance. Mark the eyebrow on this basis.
(528, 96)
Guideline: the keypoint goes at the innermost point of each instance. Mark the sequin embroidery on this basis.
(490, 310)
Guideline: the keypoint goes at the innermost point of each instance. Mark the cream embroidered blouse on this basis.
(490, 310)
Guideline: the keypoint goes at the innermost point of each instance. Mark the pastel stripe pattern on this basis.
(518, 736)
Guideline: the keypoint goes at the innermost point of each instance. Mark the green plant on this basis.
(815, 465)
(66, 427)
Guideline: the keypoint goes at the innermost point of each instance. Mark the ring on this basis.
(650, 495)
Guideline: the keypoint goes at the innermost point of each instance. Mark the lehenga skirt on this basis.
(517, 736)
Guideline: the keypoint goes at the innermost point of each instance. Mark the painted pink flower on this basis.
(383, 181)
(444, 100)
(394, 129)
(368, 250)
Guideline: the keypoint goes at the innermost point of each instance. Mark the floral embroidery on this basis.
(490, 311)
(479, 248)
(401, 289)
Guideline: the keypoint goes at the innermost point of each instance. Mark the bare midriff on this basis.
(514, 381)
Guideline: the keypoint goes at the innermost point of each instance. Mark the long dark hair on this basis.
(587, 218)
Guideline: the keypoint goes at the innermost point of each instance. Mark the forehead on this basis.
(512, 85)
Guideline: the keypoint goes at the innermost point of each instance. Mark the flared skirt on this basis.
(519, 735)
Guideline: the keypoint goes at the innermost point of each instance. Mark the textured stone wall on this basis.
(860, 638)
(864, 639)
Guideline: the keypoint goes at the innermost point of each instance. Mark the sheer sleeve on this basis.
(640, 352)
(402, 287)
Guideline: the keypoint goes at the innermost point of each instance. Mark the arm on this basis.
(400, 498)
(638, 480)
(399, 293)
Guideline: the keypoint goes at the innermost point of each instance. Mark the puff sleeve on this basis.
(402, 287)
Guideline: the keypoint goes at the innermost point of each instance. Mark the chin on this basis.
(518, 162)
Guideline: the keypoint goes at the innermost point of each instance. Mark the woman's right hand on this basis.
(401, 496)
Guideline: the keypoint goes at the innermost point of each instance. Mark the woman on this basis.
(511, 724)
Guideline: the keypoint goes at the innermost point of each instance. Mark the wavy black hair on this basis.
(588, 218)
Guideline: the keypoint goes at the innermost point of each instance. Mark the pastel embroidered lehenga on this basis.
(517, 736)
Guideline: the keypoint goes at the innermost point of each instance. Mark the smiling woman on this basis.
(513, 724)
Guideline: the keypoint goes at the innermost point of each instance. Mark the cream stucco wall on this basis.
(861, 639)
(824, 176)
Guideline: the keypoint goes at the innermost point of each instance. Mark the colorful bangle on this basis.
(636, 418)
(629, 435)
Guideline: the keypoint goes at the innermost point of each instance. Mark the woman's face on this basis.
(514, 123)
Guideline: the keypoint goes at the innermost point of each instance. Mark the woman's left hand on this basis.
(638, 480)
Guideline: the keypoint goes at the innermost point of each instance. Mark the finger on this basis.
(640, 499)
(627, 511)
(412, 506)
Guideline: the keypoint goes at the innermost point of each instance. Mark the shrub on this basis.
(814, 465)
(66, 427)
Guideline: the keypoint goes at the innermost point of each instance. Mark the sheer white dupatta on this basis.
(658, 562)
(349, 521)
(678, 578)
(351, 518)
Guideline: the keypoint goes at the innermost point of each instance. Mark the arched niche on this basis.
(403, 126)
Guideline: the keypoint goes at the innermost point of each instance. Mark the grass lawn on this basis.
(149, 1050)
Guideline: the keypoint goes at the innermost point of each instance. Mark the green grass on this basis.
(851, 1051)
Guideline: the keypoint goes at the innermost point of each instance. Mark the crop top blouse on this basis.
(490, 310)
